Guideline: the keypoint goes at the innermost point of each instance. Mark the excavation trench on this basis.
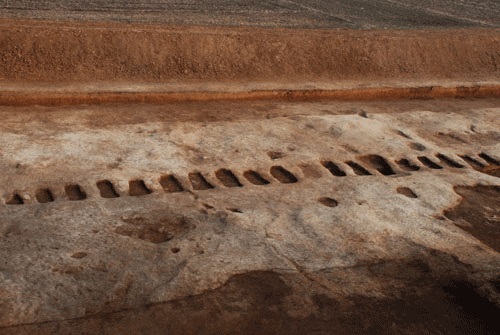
(267, 180)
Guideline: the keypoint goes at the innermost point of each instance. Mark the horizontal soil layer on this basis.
(260, 13)
(65, 53)
(47, 98)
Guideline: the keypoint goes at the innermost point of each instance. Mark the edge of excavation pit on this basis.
(54, 98)
(68, 63)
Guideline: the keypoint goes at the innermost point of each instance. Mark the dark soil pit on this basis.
(479, 213)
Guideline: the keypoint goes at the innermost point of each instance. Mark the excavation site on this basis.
(263, 167)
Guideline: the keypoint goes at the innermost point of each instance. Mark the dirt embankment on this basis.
(57, 63)
(37, 51)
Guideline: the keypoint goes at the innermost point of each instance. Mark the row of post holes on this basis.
(198, 182)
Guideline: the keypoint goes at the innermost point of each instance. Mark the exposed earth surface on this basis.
(231, 168)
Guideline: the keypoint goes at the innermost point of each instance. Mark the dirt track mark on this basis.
(474, 163)
(283, 175)
(430, 164)
(407, 192)
(448, 161)
(138, 188)
(171, 184)
(15, 200)
(328, 202)
(75, 192)
(44, 195)
(407, 165)
(380, 164)
(199, 182)
(417, 146)
(489, 159)
(490, 165)
(358, 169)
(333, 168)
(255, 178)
(286, 94)
(107, 189)
(227, 178)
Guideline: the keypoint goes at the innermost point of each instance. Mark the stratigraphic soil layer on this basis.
(38, 51)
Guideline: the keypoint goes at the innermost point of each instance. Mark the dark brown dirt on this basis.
(227, 178)
(75, 192)
(329, 202)
(159, 230)
(417, 300)
(479, 213)
(170, 184)
(283, 175)
(407, 192)
(492, 171)
(106, 189)
(44, 195)
(199, 182)
(255, 178)
(15, 200)
(379, 163)
(137, 188)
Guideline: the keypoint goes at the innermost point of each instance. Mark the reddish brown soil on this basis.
(492, 170)
(389, 93)
(212, 111)
(38, 51)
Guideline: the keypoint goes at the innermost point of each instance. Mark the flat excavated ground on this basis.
(253, 217)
